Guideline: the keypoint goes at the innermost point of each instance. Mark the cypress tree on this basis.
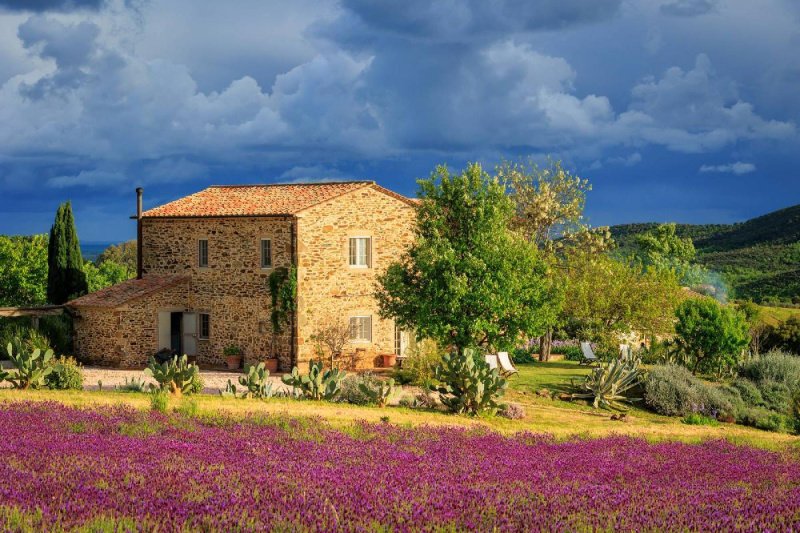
(65, 276)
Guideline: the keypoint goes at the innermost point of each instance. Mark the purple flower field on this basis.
(120, 469)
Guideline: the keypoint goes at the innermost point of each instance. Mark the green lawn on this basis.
(564, 419)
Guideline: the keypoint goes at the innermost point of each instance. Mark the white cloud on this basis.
(737, 168)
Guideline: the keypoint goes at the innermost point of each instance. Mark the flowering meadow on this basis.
(65, 468)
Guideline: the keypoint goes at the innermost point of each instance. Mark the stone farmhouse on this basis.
(203, 267)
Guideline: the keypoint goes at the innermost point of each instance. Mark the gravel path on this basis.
(214, 380)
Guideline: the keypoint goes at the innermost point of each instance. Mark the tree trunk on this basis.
(545, 345)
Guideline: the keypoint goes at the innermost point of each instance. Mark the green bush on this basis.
(572, 353)
(196, 384)
(776, 395)
(379, 392)
(776, 366)
(403, 376)
(67, 374)
(525, 355)
(421, 361)
(58, 330)
(467, 384)
(761, 418)
(673, 390)
(749, 393)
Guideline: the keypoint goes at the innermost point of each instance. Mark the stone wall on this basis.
(329, 290)
(233, 289)
(128, 335)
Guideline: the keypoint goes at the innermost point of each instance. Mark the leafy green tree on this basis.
(662, 248)
(65, 276)
(23, 270)
(468, 279)
(711, 336)
(108, 273)
(123, 254)
(606, 298)
(786, 335)
(548, 210)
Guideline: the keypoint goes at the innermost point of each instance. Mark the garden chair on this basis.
(588, 355)
(506, 366)
(491, 360)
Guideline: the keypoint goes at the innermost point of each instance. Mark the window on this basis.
(202, 253)
(266, 253)
(361, 328)
(205, 326)
(360, 251)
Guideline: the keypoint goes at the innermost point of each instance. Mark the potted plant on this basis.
(389, 359)
(233, 356)
(271, 364)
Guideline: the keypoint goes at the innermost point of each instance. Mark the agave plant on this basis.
(176, 375)
(608, 383)
(32, 367)
(467, 384)
(133, 385)
(379, 392)
(318, 384)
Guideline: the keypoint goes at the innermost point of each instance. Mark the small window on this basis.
(202, 253)
(361, 328)
(266, 253)
(360, 251)
(205, 325)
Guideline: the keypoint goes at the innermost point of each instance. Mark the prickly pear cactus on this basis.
(467, 385)
(175, 375)
(318, 384)
(31, 368)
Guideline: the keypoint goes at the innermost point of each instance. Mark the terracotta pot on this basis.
(389, 360)
(271, 364)
(233, 361)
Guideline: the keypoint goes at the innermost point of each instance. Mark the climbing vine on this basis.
(283, 291)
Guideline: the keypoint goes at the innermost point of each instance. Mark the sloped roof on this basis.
(124, 292)
(259, 200)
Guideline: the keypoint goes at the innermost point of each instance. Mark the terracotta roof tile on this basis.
(124, 292)
(258, 200)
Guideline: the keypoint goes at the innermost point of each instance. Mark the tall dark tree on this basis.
(65, 276)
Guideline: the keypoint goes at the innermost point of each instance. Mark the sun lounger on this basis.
(491, 360)
(506, 366)
(588, 355)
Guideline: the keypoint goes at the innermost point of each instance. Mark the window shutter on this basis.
(368, 252)
(368, 328)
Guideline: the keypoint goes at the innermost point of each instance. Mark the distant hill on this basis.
(759, 259)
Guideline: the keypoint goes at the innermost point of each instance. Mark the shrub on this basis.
(351, 388)
(467, 384)
(176, 376)
(795, 411)
(774, 366)
(57, 329)
(748, 391)
(512, 411)
(403, 376)
(196, 384)
(67, 374)
(572, 353)
(421, 361)
(776, 395)
(761, 418)
(672, 390)
(524, 355)
(318, 384)
(31, 367)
